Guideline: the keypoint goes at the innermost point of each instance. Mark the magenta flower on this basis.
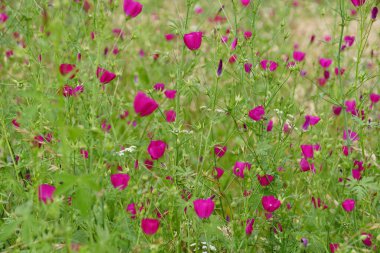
(132, 8)
(204, 207)
(349, 40)
(350, 134)
(356, 174)
(240, 167)
(66, 68)
(245, 3)
(357, 2)
(271, 65)
(169, 36)
(249, 226)
(310, 121)
(131, 208)
(234, 44)
(337, 110)
(144, 105)
(325, 62)
(306, 166)
(159, 86)
(351, 107)
(84, 153)
(308, 150)
(3, 17)
(170, 94)
(193, 40)
(348, 205)
(219, 151)
(265, 180)
(104, 75)
(45, 192)
(170, 115)
(156, 149)
(367, 240)
(219, 173)
(247, 35)
(270, 126)
(247, 67)
(298, 56)
(375, 98)
(120, 180)
(150, 226)
(270, 203)
(333, 247)
(15, 123)
(374, 12)
(257, 113)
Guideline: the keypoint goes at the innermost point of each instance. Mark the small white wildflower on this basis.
(130, 149)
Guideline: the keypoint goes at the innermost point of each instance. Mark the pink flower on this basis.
(45, 192)
(308, 150)
(270, 126)
(367, 240)
(204, 207)
(234, 44)
(298, 56)
(219, 173)
(257, 113)
(232, 59)
(144, 105)
(325, 62)
(374, 12)
(132, 8)
(245, 3)
(131, 208)
(3, 17)
(348, 205)
(156, 149)
(306, 166)
(224, 39)
(240, 167)
(198, 9)
(272, 65)
(350, 134)
(318, 203)
(120, 180)
(375, 98)
(356, 174)
(66, 68)
(247, 35)
(349, 40)
(150, 226)
(104, 75)
(337, 110)
(84, 153)
(249, 226)
(15, 123)
(351, 107)
(357, 2)
(333, 247)
(219, 151)
(169, 36)
(170, 94)
(270, 203)
(170, 115)
(247, 67)
(159, 86)
(265, 180)
(310, 121)
(193, 40)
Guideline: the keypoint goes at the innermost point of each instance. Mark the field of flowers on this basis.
(189, 126)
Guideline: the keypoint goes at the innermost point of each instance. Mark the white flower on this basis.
(130, 149)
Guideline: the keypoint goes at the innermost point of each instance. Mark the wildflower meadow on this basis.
(190, 126)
